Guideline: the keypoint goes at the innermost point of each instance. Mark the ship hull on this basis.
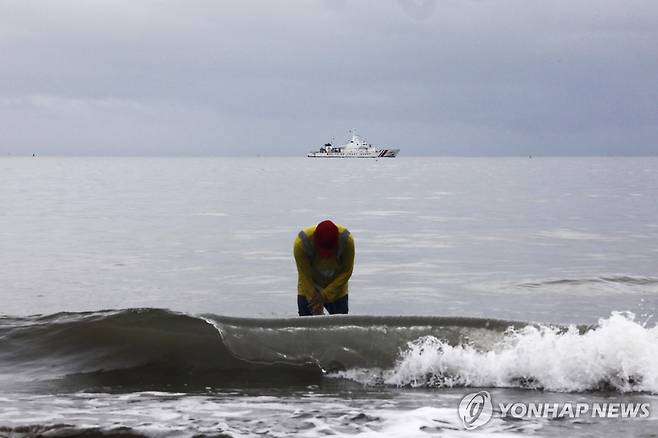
(383, 153)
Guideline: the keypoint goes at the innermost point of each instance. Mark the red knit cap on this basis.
(326, 238)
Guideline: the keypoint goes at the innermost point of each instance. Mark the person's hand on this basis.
(317, 303)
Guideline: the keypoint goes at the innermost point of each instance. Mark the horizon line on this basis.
(528, 156)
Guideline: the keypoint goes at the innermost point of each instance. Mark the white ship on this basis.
(357, 147)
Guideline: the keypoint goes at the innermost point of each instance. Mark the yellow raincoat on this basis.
(328, 275)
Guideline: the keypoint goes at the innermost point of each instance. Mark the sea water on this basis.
(156, 296)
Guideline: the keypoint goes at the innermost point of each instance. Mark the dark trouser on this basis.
(338, 306)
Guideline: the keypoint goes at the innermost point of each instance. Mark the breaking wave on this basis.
(618, 354)
(163, 350)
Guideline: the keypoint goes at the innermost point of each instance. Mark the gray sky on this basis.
(246, 77)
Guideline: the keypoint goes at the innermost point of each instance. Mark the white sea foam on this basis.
(159, 414)
(619, 353)
(427, 421)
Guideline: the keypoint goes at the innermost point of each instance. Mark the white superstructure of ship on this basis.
(356, 147)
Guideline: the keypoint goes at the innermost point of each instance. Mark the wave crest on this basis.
(618, 354)
(159, 349)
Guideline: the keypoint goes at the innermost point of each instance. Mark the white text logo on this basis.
(476, 409)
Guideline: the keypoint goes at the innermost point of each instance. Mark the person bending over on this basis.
(324, 254)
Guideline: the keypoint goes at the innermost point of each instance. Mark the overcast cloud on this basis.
(453, 77)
